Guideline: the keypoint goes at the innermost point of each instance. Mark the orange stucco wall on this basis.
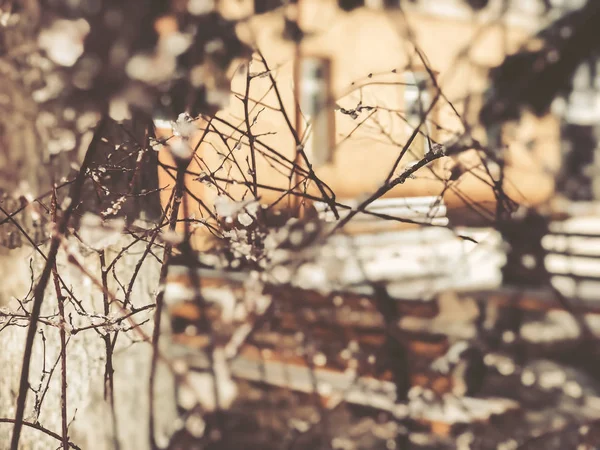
(368, 42)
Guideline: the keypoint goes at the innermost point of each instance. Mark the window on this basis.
(315, 102)
(417, 100)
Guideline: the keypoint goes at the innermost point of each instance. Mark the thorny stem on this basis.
(176, 202)
(11, 215)
(250, 135)
(400, 179)
(38, 298)
(328, 198)
(63, 341)
(299, 194)
(113, 322)
(37, 426)
(109, 384)
(10, 218)
(412, 137)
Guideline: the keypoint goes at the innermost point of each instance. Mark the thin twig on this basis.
(37, 426)
(177, 198)
(76, 193)
(63, 340)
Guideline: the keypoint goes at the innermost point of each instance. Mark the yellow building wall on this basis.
(365, 47)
